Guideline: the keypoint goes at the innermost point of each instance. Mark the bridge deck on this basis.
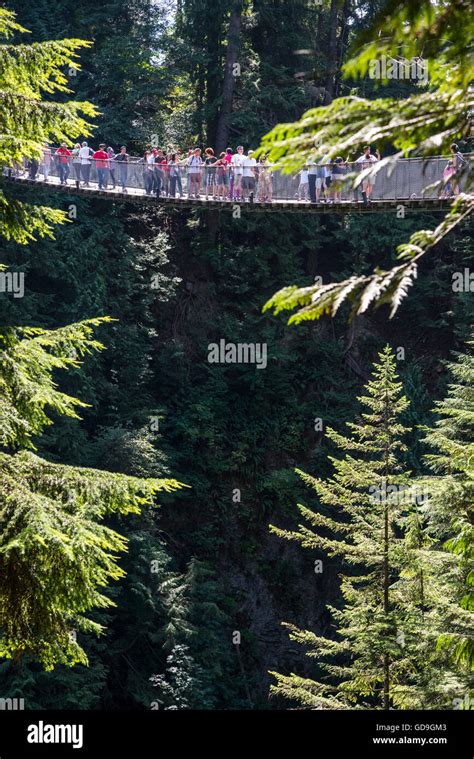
(136, 195)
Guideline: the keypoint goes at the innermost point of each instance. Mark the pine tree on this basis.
(27, 72)
(450, 506)
(367, 652)
(55, 553)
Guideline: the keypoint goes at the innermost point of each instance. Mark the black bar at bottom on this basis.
(335, 734)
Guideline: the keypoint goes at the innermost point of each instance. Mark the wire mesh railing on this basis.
(331, 182)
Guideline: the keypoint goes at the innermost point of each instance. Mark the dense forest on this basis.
(211, 575)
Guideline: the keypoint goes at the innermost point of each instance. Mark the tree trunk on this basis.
(386, 663)
(386, 579)
(341, 46)
(233, 46)
(332, 54)
(213, 71)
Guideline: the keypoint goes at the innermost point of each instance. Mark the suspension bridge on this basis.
(414, 183)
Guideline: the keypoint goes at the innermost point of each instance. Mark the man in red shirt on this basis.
(63, 162)
(101, 158)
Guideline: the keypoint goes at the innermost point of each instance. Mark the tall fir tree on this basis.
(450, 507)
(56, 555)
(367, 651)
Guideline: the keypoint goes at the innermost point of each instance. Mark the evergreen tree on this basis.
(27, 72)
(55, 554)
(450, 506)
(367, 652)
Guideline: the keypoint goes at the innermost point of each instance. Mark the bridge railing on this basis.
(405, 179)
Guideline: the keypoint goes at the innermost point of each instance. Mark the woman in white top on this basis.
(46, 161)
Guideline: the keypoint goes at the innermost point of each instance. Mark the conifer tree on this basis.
(56, 555)
(27, 72)
(366, 660)
(450, 506)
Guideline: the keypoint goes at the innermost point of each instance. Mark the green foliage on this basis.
(55, 554)
(366, 470)
(401, 590)
(27, 72)
(450, 508)
(28, 392)
(219, 427)
(423, 123)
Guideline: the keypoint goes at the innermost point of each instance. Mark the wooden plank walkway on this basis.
(278, 205)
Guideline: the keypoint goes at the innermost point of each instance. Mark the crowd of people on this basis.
(231, 175)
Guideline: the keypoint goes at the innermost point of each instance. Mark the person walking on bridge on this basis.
(111, 166)
(264, 181)
(194, 173)
(175, 175)
(63, 156)
(160, 168)
(458, 161)
(248, 179)
(85, 154)
(46, 161)
(237, 163)
(366, 160)
(148, 171)
(101, 158)
(211, 179)
(76, 164)
(316, 176)
(122, 159)
(230, 174)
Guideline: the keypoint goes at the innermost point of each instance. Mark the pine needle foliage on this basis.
(450, 508)
(27, 122)
(363, 535)
(423, 123)
(56, 555)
